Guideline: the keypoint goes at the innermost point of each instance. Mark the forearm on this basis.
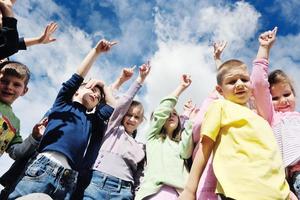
(117, 84)
(186, 143)
(86, 64)
(6, 10)
(218, 62)
(32, 41)
(25, 148)
(177, 92)
(263, 52)
(199, 164)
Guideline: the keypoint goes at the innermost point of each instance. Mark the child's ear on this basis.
(24, 91)
(219, 89)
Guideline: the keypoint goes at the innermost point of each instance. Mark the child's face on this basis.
(236, 86)
(172, 122)
(89, 97)
(133, 119)
(11, 87)
(283, 97)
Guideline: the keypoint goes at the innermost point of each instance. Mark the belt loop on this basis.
(120, 182)
(104, 180)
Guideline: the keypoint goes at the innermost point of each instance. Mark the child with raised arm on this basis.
(119, 165)
(86, 171)
(167, 147)
(246, 159)
(9, 37)
(9, 34)
(275, 101)
(64, 142)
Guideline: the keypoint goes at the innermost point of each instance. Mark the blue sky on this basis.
(175, 36)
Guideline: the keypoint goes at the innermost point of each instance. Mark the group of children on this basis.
(241, 143)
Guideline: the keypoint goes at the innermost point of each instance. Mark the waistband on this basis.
(56, 169)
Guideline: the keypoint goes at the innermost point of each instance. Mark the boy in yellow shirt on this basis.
(246, 162)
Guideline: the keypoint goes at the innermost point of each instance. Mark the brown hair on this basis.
(102, 94)
(226, 67)
(16, 69)
(278, 76)
(176, 136)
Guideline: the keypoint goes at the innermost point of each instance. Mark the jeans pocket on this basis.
(35, 170)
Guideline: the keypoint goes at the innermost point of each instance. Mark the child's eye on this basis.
(275, 98)
(3, 81)
(245, 80)
(287, 94)
(232, 82)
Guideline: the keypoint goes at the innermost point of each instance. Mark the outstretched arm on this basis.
(102, 46)
(45, 37)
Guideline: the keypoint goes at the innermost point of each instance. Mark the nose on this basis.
(283, 100)
(239, 83)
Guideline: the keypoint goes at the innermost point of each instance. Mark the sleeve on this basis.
(9, 37)
(139, 175)
(200, 115)
(68, 89)
(160, 115)
(123, 104)
(261, 91)
(22, 45)
(19, 150)
(212, 121)
(105, 111)
(186, 145)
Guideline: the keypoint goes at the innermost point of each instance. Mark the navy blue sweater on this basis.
(69, 125)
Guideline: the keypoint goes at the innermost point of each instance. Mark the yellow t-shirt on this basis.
(247, 162)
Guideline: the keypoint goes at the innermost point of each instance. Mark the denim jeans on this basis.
(104, 187)
(46, 176)
(296, 183)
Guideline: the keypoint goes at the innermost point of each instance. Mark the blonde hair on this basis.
(226, 67)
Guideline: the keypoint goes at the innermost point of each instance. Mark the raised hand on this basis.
(94, 82)
(104, 46)
(218, 49)
(46, 38)
(185, 81)
(144, 71)
(39, 129)
(188, 108)
(267, 38)
(127, 73)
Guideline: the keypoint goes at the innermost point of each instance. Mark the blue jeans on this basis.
(296, 183)
(104, 187)
(46, 176)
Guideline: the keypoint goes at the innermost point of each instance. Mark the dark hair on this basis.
(102, 94)
(227, 66)
(16, 69)
(278, 76)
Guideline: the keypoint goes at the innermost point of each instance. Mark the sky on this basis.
(175, 36)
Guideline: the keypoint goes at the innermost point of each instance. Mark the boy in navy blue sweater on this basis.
(75, 112)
